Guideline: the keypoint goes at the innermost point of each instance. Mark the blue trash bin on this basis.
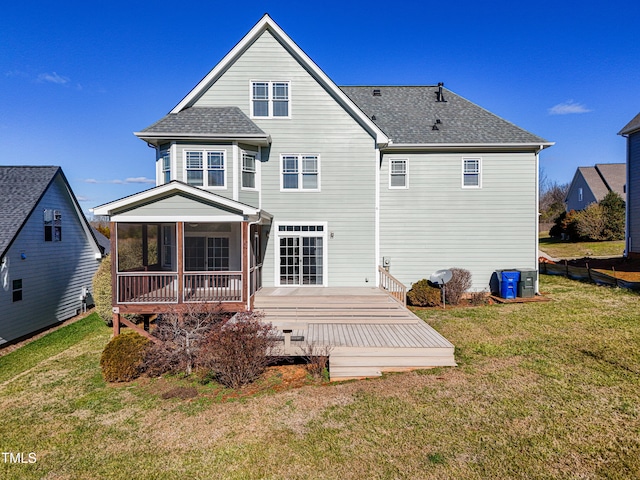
(509, 283)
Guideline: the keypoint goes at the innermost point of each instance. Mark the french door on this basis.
(301, 259)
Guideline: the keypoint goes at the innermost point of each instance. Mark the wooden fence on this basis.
(586, 274)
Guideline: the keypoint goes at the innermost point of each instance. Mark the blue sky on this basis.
(77, 78)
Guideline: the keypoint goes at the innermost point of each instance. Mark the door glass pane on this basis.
(312, 260)
(289, 261)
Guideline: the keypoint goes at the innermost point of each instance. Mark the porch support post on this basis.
(116, 324)
(245, 265)
(180, 259)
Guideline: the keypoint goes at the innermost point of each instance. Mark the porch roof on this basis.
(178, 202)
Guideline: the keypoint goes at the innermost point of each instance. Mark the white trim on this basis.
(177, 218)
(300, 172)
(325, 249)
(536, 239)
(235, 149)
(269, 100)
(406, 174)
(479, 173)
(267, 23)
(205, 166)
(162, 190)
(467, 147)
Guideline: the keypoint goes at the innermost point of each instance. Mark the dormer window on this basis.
(270, 99)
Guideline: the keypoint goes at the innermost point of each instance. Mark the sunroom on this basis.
(176, 245)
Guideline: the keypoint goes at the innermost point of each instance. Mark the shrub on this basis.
(565, 224)
(614, 211)
(238, 350)
(102, 290)
(122, 358)
(424, 294)
(590, 223)
(317, 357)
(182, 334)
(460, 282)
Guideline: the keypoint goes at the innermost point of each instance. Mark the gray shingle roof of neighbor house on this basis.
(205, 121)
(22, 188)
(614, 176)
(632, 126)
(407, 114)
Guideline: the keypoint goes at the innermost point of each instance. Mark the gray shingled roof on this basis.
(407, 115)
(632, 126)
(21, 188)
(209, 121)
(614, 176)
(605, 177)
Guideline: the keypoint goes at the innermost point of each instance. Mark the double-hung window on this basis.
(471, 173)
(52, 225)
(270, 99)
(300, 172)
(398, 173)
(166, 167)
(195, 168)
(248, 170)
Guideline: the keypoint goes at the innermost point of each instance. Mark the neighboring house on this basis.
(591, 184)
(269, 174)
(632, 132)
(48, 254)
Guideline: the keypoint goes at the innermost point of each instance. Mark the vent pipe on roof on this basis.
(376, 92)
(439, 93)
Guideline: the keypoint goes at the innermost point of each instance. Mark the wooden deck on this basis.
(369, 332)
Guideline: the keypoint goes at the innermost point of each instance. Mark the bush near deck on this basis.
(542, 390)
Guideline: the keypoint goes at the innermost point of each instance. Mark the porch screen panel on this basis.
(194, 254)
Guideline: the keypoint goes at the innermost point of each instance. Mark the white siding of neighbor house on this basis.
(436, 224)
(633, 193)
(318, 125)
(53, 273)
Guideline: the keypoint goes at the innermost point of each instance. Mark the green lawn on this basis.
(563, 249)
(542, 390)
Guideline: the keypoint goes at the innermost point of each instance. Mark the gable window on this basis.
(195, 167)
(17, 290)
(248, 170)
(300, 172)
(270, 99)
(398, 173)
(471, 173)
(52, 225)
(166, 167)
(580, 194)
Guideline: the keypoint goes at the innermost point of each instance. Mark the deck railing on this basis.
(213, 287)
(393, 286)
(147, 288)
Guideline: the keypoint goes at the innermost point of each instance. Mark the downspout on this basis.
(377, 218)
(537, 238)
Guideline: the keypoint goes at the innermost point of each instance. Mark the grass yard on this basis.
(542, 390)
(562, 249)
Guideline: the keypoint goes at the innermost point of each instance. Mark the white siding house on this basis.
(322, 183)
(48, 253)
